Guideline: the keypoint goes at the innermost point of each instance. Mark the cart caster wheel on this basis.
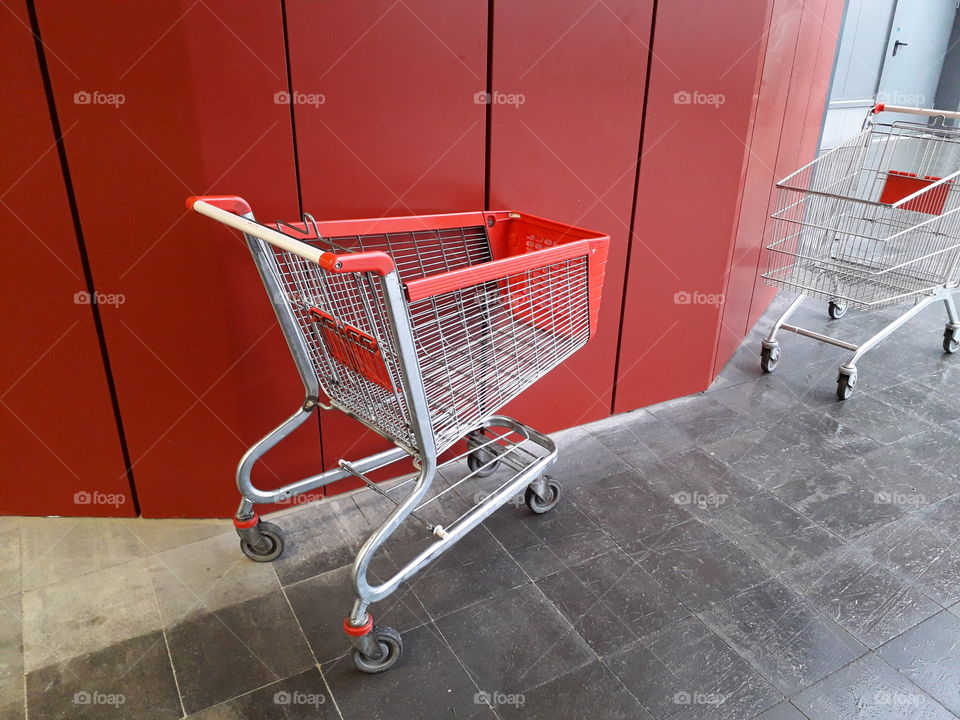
(479, 461)
(950, 340)
(270, 548)
(391, 647)
(540, 506)
(769, 357)
(845, 385)
(837, 309)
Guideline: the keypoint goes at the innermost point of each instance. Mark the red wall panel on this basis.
(200, 367)
(772, 130)
(58, 426)
(807, 112)
(569, 152)
(388, 124)
(691, 176)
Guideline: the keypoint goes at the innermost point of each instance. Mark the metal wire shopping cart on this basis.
(872, 223)
(421, 328)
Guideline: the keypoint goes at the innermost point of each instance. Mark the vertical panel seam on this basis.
(82, 248)
(292, 104)
(633, 207)
(488, 113)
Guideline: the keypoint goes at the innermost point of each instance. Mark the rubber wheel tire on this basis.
(392, 646)
(274, 548)
(836, 310)
(950, 342)
(769, 357)
(538, 506)
(845, 385)
(477, 459)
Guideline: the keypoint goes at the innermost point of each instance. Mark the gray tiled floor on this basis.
(758, 550)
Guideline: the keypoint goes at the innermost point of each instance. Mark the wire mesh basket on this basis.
(874, 221)
(495, 301)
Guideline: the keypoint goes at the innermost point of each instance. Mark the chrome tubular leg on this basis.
(952, 318)
(771, 339)
(365, 593)
(260, 448)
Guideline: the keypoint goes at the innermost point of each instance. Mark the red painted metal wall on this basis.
(364, 110)
(801, 42)
(200, 366)
(61, 452)
(700, 112)
(569, 151)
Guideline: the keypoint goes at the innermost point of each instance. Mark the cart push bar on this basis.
(421, 328)
(883, 107)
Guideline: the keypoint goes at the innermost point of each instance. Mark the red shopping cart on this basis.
(422, 328)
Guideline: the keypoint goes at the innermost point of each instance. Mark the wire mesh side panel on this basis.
(837, 236)
(481, 346)
(344, 322)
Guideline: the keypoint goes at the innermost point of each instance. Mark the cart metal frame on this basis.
(496, 440)
(848, 261)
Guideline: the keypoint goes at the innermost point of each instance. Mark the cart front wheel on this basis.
(950, 340)
(482, 461)
(391, 648)
(539, 505)
(270, 546)
(845, 385)
(769, 357)
(837, 309)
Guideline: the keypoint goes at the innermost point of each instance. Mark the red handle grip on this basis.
(231, 203)
(373, 261)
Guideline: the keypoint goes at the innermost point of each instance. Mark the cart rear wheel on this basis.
(845, 385)
(837, 309)
(950, 340)
(482, 461)
(540, 505)
(270, 548)
(391, 648)
(769, 357)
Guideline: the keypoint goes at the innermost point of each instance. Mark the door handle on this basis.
(896, 46)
